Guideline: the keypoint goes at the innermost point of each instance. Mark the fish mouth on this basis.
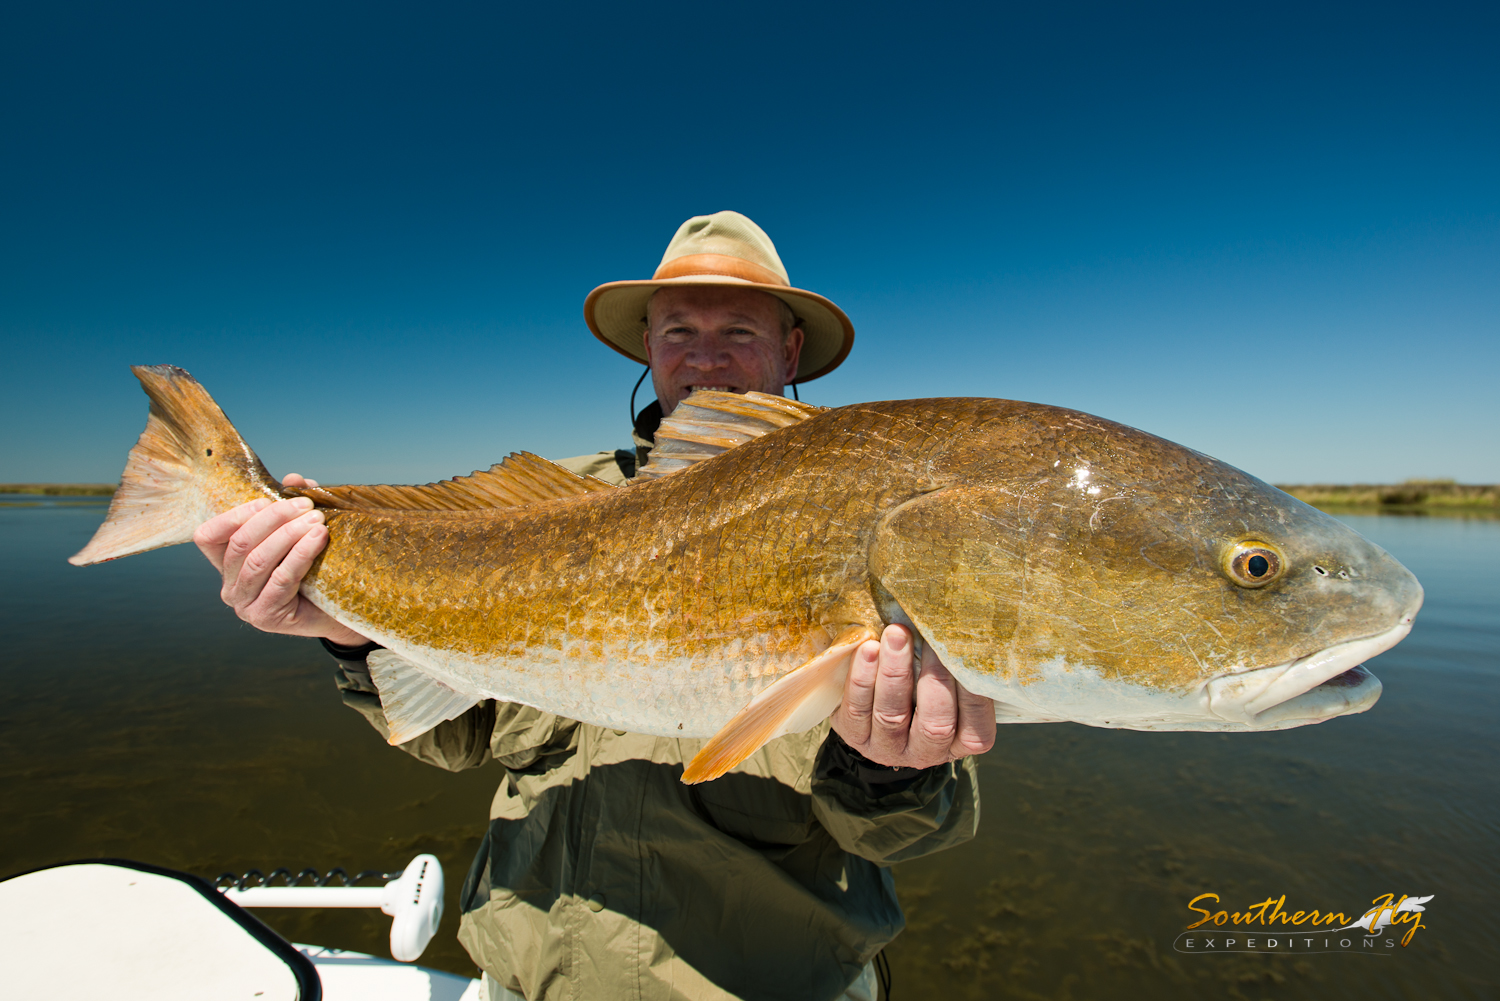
(1331, 682)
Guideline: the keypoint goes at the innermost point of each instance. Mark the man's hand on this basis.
(264, 549)
(881, 720)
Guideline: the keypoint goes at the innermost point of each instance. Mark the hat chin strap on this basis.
(634, 391)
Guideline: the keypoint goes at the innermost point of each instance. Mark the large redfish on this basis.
(1065, 566)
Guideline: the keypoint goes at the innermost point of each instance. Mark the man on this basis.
(602, 875)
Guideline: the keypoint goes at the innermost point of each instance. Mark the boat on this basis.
(122, 929)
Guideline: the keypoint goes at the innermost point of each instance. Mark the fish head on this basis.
(1117, 579)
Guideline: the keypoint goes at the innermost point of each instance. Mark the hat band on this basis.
(717, 264)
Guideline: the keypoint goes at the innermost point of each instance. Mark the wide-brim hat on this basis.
(724, 249)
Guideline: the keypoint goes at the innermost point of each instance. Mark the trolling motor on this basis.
(413, 897)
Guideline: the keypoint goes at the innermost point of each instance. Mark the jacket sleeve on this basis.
(889, 816)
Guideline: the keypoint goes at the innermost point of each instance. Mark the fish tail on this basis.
(189, 465)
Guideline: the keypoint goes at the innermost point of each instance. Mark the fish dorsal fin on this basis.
(521, 479)
(709, 422)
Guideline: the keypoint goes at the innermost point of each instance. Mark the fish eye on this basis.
(1253, 563)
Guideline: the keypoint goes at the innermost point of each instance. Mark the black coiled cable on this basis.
(255, 878)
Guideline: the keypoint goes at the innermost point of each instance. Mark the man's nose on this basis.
(705, 356)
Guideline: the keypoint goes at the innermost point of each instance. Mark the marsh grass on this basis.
(1413, 496)
(61, 489)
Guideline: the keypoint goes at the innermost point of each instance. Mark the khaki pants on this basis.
(864, 988)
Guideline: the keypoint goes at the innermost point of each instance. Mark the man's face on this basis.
(709, 337)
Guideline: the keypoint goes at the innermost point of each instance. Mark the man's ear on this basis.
(646, 345)
(792, 352)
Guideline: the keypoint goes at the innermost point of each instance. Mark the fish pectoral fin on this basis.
(414, 701)
(710, 422)
(797, 702)
(521, 479)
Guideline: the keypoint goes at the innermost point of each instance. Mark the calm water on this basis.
(141, 719)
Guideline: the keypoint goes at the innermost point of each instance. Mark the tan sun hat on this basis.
(725, 248)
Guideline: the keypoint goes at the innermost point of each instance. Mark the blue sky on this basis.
(1269, 233)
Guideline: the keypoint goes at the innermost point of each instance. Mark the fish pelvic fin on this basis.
(414, 701)
(710, 422)
(189, 465)
(797, 702)
(521, 479)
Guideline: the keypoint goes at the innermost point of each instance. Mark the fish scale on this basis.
(733, 609)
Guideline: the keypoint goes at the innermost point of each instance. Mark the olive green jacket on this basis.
(603, 876)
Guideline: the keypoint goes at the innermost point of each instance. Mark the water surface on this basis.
(142, 719)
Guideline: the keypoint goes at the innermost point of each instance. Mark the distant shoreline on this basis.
(61, 489)
(1425, 496)
(1429, 496)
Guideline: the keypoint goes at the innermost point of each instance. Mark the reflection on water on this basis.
(141, 719)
